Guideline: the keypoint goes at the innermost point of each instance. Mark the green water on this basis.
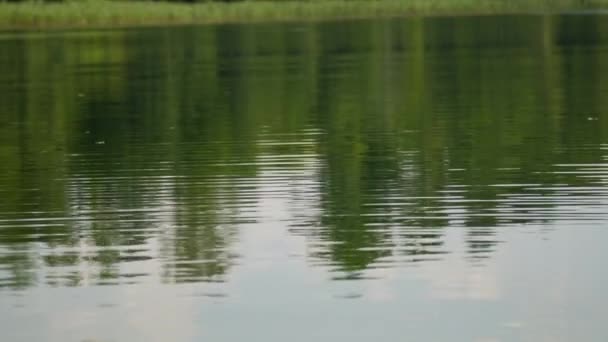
(423, 179)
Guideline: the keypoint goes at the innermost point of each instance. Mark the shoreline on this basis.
(115, 14)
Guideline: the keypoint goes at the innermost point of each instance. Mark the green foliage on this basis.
(100, 13)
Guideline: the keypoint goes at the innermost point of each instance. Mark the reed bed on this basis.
(104, 13)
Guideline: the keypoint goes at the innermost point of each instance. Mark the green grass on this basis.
(103, 13)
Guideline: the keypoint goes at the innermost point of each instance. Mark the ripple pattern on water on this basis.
(195, 155)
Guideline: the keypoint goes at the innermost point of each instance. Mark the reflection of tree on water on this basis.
(421, 125)
(472, 157)
(207, 210)
(198, 249)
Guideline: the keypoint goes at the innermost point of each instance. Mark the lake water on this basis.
(421, 179)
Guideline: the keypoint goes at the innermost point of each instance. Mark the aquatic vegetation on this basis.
(102, 13)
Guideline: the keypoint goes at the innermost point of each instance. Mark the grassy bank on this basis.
(103, 13)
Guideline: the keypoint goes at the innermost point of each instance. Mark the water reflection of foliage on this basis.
(421, 120)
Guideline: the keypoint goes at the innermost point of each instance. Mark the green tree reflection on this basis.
(125, 153)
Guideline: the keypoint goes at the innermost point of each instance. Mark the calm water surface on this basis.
(424, 179)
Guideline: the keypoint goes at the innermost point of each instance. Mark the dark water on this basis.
(431, 179)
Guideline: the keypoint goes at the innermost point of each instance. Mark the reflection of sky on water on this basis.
(515, 295)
